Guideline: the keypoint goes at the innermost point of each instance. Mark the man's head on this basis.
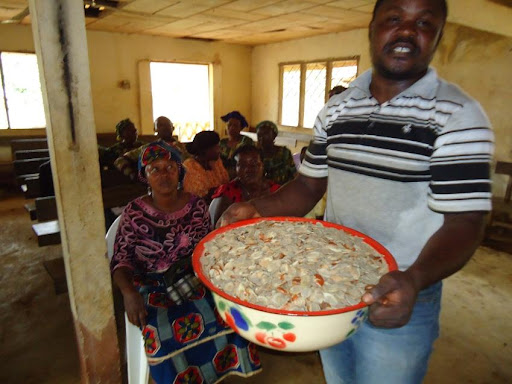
(404, 35)
(164, 128)
(336, 90)
(126, 132)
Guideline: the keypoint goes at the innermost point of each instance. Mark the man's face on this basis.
(249, 168)
(404, 36)
(164, 129)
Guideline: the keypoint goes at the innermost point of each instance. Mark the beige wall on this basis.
(479, 62)
(114, 57)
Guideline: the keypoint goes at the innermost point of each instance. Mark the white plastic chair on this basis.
(138, 371)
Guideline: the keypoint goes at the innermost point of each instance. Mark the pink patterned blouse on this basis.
(149, 240)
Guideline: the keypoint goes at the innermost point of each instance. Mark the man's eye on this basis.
(423, 23)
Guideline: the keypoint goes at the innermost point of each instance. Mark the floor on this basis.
(37, 343)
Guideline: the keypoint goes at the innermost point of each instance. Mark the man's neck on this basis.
(384, 89)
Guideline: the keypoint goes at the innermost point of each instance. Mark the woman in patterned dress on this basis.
(277, 160)
(185, 339)
(235, 122)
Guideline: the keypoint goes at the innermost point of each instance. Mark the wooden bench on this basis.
(29, 184)
(28, 144)
(57, 272)
(31, 154)
(26, 166)
(48, 233)
(31, 209)
(46, 208)
(498, 233)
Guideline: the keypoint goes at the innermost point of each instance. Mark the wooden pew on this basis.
(48, 232)
(57, 272)
(29, 184)
(31, 154)
(46, 208)
(28, 144)
(26, 166)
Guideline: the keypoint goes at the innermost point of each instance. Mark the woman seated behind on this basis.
(183, 334)
(126, 135)
(278, 161)
(250, 182)
(205, 171)
(228, 146)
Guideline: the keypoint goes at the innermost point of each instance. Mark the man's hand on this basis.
(134, 307)
(237, 212)
(391, 301)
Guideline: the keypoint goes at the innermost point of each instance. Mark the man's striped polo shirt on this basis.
(395, 168)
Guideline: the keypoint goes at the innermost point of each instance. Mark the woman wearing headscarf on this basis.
(235, 122)
(205, 171)
(184, 337)
(126, 135)
(277, 160)
(250, 182)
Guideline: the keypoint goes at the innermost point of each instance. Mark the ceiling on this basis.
(250, 22)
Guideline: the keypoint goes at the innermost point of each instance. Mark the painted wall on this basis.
(114, 57)
(479, 62)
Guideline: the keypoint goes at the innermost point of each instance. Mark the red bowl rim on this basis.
(199, 250)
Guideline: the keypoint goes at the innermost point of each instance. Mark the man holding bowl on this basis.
(405, 158)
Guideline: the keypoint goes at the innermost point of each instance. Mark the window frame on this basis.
(146, 95)
(302, 95)
(9, 131)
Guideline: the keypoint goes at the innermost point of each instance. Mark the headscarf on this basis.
(121, 126)
(155, 151)
(267, 123)
(235, 115)
(202, 142)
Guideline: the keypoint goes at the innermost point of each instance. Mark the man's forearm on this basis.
(449, 249)
(295, 198)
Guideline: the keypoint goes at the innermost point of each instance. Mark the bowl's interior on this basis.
(199, 250)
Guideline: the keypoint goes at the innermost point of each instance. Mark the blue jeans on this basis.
(387, 356)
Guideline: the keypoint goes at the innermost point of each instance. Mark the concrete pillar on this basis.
(61, 46)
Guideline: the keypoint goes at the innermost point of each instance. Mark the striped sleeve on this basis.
(460, 163)
(315, 161)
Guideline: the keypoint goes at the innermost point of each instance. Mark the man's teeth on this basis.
(402, 50)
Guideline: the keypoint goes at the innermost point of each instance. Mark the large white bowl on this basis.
(283, 330)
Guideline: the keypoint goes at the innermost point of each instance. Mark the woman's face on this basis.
(212, 153)
(266, 136)
(129, 134)
(163, 176)
(249, 168)
(234, 127)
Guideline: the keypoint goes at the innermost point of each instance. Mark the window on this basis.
(181, 92)
(305, 88)
(21, 105)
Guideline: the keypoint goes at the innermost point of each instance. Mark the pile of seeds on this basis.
(296, 266)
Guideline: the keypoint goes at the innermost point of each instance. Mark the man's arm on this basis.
(295, 198)
(447, 251)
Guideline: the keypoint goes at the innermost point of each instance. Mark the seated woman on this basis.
(126, 134)
(228, 146)
(278, 161)
(184, 336)
(127, 161)
(205, 171)
(250, 182)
